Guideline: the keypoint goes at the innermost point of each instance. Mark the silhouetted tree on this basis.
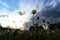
(0, 26)
(31, 28)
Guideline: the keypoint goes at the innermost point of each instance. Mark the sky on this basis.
(10, 15)
(17, 13)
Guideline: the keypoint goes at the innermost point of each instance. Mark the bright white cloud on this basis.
(53, 3)
(14, 19)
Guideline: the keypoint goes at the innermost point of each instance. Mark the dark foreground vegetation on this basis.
(34, 33)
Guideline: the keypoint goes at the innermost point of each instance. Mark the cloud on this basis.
(4, 4)
(14, 16)
(23, 6)
(4, 11)
(48, 9)
(14, 20)
(51, 11)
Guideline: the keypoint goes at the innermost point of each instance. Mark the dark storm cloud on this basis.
(51, 12)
